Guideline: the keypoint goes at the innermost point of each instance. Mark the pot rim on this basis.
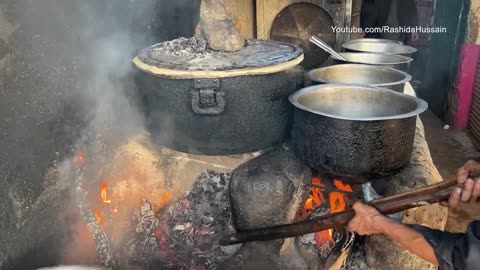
(409, 50)
(422, 105)
(378, 40)
(407, 60)
(407, 77)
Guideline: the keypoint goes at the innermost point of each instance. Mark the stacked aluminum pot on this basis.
(355, 121)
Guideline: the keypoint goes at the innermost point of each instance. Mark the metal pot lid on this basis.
(187, 58)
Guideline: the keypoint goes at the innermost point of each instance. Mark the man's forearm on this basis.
(406, 237)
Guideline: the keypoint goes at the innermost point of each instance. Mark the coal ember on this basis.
(269, 190)
(192, 226)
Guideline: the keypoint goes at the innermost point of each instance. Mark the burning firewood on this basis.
(104, 250)
(217, 29)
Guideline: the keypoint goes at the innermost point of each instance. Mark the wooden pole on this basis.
(389, 205)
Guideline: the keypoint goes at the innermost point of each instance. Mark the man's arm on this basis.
(451, 251)
(369, 221)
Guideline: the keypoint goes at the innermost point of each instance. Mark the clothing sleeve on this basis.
(455, 251)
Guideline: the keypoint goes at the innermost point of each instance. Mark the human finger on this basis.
(467, 190)
(454, 199)
(476, 190)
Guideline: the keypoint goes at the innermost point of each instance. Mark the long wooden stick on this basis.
(389, 205)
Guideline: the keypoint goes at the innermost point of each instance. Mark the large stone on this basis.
(219, 31)
(269, 190)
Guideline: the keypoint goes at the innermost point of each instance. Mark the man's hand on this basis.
(367, 221)
(471, 187)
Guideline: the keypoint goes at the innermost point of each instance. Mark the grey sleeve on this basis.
(455, 251)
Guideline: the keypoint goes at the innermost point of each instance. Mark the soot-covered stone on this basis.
(217, 28)
(268, 190)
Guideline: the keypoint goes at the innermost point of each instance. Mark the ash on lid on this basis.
(190, 54)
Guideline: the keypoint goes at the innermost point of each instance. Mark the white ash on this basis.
(183, 47)
(144, 243)
(192, 54)
(357, 258)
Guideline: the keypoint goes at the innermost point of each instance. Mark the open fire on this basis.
(326, 197)
(177, 220)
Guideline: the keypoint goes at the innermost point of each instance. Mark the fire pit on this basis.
(135, 203)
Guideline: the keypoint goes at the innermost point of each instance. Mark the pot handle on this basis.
(206, 99)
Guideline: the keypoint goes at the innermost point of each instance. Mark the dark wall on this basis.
(46, 63)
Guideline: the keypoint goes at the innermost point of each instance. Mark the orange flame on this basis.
(80, 158)
(103, 193)
(340, 185)
(324, 237)
(97, 215)
(337, 202)
(315, 198)
(165, 198)
(336, 199)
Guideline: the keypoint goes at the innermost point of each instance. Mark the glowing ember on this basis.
(337, 202)
(340, 185)
(103, 193)
(80, 159)
(335, 194)
(165, 198)
(315, 198)
(325, 237)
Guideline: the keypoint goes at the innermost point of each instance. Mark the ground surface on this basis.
(450, 149)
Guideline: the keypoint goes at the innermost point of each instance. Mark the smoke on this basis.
(105, 108)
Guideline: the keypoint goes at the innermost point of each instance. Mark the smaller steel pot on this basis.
(361, 74)
(399, 62)
(378, 47)
(354, 131)
(380, 40)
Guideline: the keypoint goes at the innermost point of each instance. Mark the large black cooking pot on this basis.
(219, 112)
(355, 131)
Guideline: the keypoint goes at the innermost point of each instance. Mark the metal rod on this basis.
(388, 205)
(320, 43)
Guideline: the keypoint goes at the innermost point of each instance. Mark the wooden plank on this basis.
(243, 14)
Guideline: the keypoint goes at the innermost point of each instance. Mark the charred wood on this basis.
(104, 250)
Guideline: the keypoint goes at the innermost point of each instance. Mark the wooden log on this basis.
(390, 205)
(104, 251)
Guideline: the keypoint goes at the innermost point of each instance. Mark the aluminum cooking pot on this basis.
(361, 74)
(399, 62)
(380, 40)
(354, 131)
(379, 47)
